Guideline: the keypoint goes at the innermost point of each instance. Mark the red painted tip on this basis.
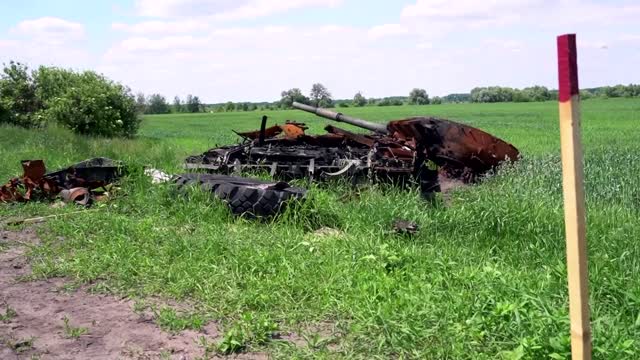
(567, 67)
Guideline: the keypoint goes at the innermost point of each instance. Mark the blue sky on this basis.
(251, 50)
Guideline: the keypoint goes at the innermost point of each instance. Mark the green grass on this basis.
(9, 314)
(484, 278)
(72, 332)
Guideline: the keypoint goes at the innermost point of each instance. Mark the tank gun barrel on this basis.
(336, 116)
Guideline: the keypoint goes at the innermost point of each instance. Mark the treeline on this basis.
(157, 104)
(320, 96)
(631, 90)
(85, 102)
(494, 94)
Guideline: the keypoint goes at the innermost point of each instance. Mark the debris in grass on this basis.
(412, 150)
(406, 227)
(157, 176)
(40, 219)
(327, 232)
(78, 183)
(245, 196)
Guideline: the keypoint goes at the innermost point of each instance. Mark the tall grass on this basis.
(484, 278)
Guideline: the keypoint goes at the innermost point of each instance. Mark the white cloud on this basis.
(195, 46)
(387, 30)
(8, 43)
(586, 44)
(257, 63)
(162, 44)
(36, 52)
(46, 41)
(259, 8)
(178, 8)
(506, 44)
(161, 27)
(472, 11)
(49, 29)
(545, 13)
(224, 9)
(629, 38)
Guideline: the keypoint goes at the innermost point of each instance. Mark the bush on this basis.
(156, 104)
(86, 103)
(96, 106)
(418, 97)
(390, 102)
(359, 99)
(19, 104)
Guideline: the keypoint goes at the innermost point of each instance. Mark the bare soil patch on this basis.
(32, 318)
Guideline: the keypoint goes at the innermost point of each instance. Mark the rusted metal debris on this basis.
(405, 227)
(414, 150)
(77, 183)
(291, 129)
(31, 185)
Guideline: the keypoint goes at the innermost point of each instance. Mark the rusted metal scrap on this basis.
(416, 149)
(405, 227)
(76, 183)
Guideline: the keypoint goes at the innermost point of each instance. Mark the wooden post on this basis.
(574, 203)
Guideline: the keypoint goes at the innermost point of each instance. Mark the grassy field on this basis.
(484, 279)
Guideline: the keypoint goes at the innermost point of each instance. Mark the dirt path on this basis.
(113, 331)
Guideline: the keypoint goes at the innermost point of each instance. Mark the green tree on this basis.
(585, 95)
(141, 103)
(621, 91)
(19, 102)
(193, 104)
(230, 106)
(320, 96)
(177, 105)
(457, 98)
(359, 99)
(537, 93)
(436, 100)
(291, 95)
(157, 104)
(53, 82)
(87, 103)
(418, 97)
(390, 101)
(96, 106)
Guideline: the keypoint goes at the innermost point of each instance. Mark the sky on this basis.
(251, 50)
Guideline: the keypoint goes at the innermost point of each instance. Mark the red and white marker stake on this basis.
(574, 203)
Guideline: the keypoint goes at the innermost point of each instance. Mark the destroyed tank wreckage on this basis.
(415, 149)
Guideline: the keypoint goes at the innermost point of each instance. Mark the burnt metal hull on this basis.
(413, 149)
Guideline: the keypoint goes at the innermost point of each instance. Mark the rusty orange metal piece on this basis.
(292, 130)
(30, 185)
(269, 132)
(461, 150)
(80, 179)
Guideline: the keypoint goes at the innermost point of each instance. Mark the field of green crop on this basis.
(485, 277)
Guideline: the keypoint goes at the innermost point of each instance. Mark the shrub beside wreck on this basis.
(85, 102)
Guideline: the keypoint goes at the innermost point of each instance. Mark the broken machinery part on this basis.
(77, 183)
(245, 196)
